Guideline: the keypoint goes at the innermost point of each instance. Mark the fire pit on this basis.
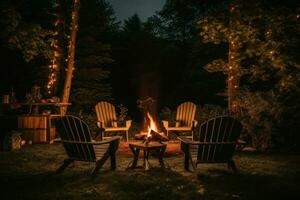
(160, 148)
(152, 140)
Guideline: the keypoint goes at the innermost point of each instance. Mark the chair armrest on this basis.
(128, 123)
(115, 138)
(165, 123)
(93, 142)
(187, 140)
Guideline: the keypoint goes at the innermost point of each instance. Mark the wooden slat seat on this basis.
(107, 119)
(185, 119)
(79, 146)
(217, 141)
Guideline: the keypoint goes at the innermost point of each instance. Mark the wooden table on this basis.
(160, 148)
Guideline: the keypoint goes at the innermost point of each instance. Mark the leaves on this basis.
(30, 39)
(267, 41)
(216, 66)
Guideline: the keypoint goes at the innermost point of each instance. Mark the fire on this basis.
(152, 133)
(152, 125)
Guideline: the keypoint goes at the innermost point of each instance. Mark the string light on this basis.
(54, 65)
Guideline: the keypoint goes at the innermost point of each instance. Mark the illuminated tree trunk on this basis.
(234, 68)
(71, 55)
(54, 66)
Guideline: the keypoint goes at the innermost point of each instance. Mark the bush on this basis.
(258, 117)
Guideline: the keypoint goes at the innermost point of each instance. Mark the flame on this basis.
(152, 125)
(152, 132)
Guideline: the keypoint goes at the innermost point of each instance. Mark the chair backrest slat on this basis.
(106, 113)
(186, 113)
(218, 136)
(73, 129)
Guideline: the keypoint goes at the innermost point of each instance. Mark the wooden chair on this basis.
(107, 119)
(217, 141)
(79, 146)
(185, 119)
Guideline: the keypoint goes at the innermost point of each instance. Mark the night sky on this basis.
(144, 8)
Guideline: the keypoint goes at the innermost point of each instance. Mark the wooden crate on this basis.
(34, 127)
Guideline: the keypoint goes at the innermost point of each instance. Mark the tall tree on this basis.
(176, 25)
(262, 44)
(71, 55)
(93, 57)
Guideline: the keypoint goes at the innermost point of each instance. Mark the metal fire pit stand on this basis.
(147, 147)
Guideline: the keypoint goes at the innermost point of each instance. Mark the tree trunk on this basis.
(55, 62)
(71, 55)
(234, 68)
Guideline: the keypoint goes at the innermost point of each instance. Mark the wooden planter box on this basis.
(36, 128)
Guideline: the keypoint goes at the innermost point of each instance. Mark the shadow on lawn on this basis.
(154, 184)
(133, 184)
(224, 185)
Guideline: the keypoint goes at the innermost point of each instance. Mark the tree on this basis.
(93, 54)
(26, 37)
(71, 55)
(176, 26)
(262, 43)
(21, 32)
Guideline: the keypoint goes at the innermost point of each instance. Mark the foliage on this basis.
(93, 55)
(260, 116)
(32, 39)
(122, 113)
(146, 103)
(133, 24)
(167, 114)
(177, 20)
(268, 40)
(208, 111)
(89, 87)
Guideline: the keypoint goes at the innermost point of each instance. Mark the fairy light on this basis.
(54, 64)
(233, 68)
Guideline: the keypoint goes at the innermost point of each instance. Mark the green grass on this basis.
(29, 174)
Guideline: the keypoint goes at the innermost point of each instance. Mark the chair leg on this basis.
(100, 163)
(126, 136)
(185, 149)
(66, 163)
(193, 164)
(113, 162)
(232, 166)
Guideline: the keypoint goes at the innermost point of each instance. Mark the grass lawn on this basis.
(29, 174)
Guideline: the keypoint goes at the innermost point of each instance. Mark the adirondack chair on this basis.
(107, 119)
(184, 119)
(79, 146)
(217, 141)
